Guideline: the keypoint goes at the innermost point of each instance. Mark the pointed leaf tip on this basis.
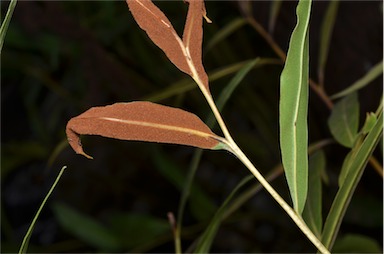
(186, 53)
(141, 121)
(160, 30)
(193, 37)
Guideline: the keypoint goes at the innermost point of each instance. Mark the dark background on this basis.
(61, 58)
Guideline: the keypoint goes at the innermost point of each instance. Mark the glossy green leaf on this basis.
(294, 107)
(205, 242)
(86, 228)
(325, 37)
(344, 120)
(373, 73)
(345, 192)
(312, 213)
(353, 243)
(25, 243)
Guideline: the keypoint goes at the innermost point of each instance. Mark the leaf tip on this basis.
(75, 142)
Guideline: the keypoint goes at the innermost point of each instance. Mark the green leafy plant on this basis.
(303, 164)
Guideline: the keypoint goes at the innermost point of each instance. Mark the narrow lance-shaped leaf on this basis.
(312, 213)
(142, 121)
(193, 38)
(160, 30)
(293, 109)
(371, 75)
(184, 53)
(346, 191)
(325, 37)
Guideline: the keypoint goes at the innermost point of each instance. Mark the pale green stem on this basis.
(287, 208)
(243, 158)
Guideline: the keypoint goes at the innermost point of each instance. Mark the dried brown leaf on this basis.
(185, 54)
(142, 121)
(193, 37)
(160, 30)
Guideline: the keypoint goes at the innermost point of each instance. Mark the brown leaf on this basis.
(160, 30)
(143, 121)
(193, 37)
(185, 54)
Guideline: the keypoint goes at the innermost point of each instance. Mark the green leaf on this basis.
(353, 243)
(25, 243)
(6, 21)
(344, 120)
(345, 192)
(86, 228)
(294, 107)
(312, 213)
(224, 32)
(325, 38)
(202, 207)
(273, 14)
(205, 241)
(370, 121)
(187, 84)
(137, 229)
(222, 100)
(373, 73)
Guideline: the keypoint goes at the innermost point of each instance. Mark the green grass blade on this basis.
(205, 242)
(345, 192)
(6, 21)
(232, 85)
(86, 228)
(294, 107)
(373, 73)
(25, 243)
(325, 37)
(187, 84)
(273, 14)
(344, 120)
(312, 213)
(222, 100)
(227, 30)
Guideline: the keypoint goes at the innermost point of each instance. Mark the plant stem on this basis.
(243, 158)
(288, 209)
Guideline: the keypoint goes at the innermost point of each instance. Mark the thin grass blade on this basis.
(345, 192)
(86, 228)
(186, 85)
(205, 241)
(373, 73)
(224, 32)
(222, 100)
(6, 21)
(273, 14)
(325, 37)
(293, 109)
(25, 243)
(312, 213)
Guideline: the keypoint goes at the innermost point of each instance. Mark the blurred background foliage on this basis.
(62, 57)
